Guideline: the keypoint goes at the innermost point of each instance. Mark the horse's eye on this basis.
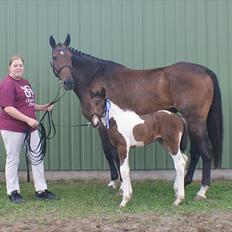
(54, 58)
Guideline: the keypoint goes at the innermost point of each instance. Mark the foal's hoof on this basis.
(178, 202)
(122, 205)
(125, 200)
(112, 184)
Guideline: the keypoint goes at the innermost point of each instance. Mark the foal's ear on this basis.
(67, 40)
(52, 41)
(103, 92)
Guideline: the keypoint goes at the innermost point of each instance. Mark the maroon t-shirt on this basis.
(16, 93)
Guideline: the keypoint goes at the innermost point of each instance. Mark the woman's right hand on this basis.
(33, 123)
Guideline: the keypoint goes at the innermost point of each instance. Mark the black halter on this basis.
(57, 72)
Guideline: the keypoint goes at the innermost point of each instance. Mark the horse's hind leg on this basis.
(204, 148)
(111, 156)
(194, 157)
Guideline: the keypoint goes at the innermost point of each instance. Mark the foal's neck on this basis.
(115, 110)
(118, 113)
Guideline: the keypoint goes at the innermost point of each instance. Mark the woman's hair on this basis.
(15, 57)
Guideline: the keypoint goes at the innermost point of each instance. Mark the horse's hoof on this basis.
(200, 197)
(112, 184)
(201, 194)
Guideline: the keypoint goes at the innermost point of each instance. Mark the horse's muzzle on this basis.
(69, 84)
(95, 121)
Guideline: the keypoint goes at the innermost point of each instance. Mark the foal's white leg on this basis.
(175, 185)
(179, 163)
(126, 183)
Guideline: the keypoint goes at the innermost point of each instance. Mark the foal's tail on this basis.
(215, 121)
(185, 136)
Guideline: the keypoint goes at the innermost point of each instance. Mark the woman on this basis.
(17, 116)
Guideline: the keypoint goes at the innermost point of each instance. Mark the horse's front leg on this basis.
(111, 156)
(125, 173)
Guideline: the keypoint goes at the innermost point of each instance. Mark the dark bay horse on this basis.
(127, 129)
(190, 89)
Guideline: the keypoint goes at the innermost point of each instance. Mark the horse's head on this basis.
(62, 62)
(97, 105)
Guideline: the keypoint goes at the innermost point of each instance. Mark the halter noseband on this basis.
(57, 72)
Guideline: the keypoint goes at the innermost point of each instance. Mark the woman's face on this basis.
(16, 69)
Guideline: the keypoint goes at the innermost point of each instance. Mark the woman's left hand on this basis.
(47, 107)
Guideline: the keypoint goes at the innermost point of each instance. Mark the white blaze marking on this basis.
(62, 53)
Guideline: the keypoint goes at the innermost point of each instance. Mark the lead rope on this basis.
(37, 154)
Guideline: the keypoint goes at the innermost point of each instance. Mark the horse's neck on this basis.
(88, 69)
(84, 71)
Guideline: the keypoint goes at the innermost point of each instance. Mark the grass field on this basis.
(81, 200)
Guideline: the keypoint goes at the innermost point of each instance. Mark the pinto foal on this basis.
(127, 129)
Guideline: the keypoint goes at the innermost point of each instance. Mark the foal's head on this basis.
(97, 105)
(62, 62)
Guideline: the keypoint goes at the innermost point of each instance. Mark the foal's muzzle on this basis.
(95, 120)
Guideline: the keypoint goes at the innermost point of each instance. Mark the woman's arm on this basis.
(14, 113)
(45, 107)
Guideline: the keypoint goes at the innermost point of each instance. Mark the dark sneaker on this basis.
(15, 197)
(45, 195)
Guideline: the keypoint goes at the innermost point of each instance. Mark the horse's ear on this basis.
(67, 40)
(103, 92)
(52, 41)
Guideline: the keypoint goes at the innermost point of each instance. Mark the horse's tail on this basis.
(215, 121)
(185, 136)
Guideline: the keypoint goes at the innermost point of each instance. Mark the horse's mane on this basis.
(77, 53)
